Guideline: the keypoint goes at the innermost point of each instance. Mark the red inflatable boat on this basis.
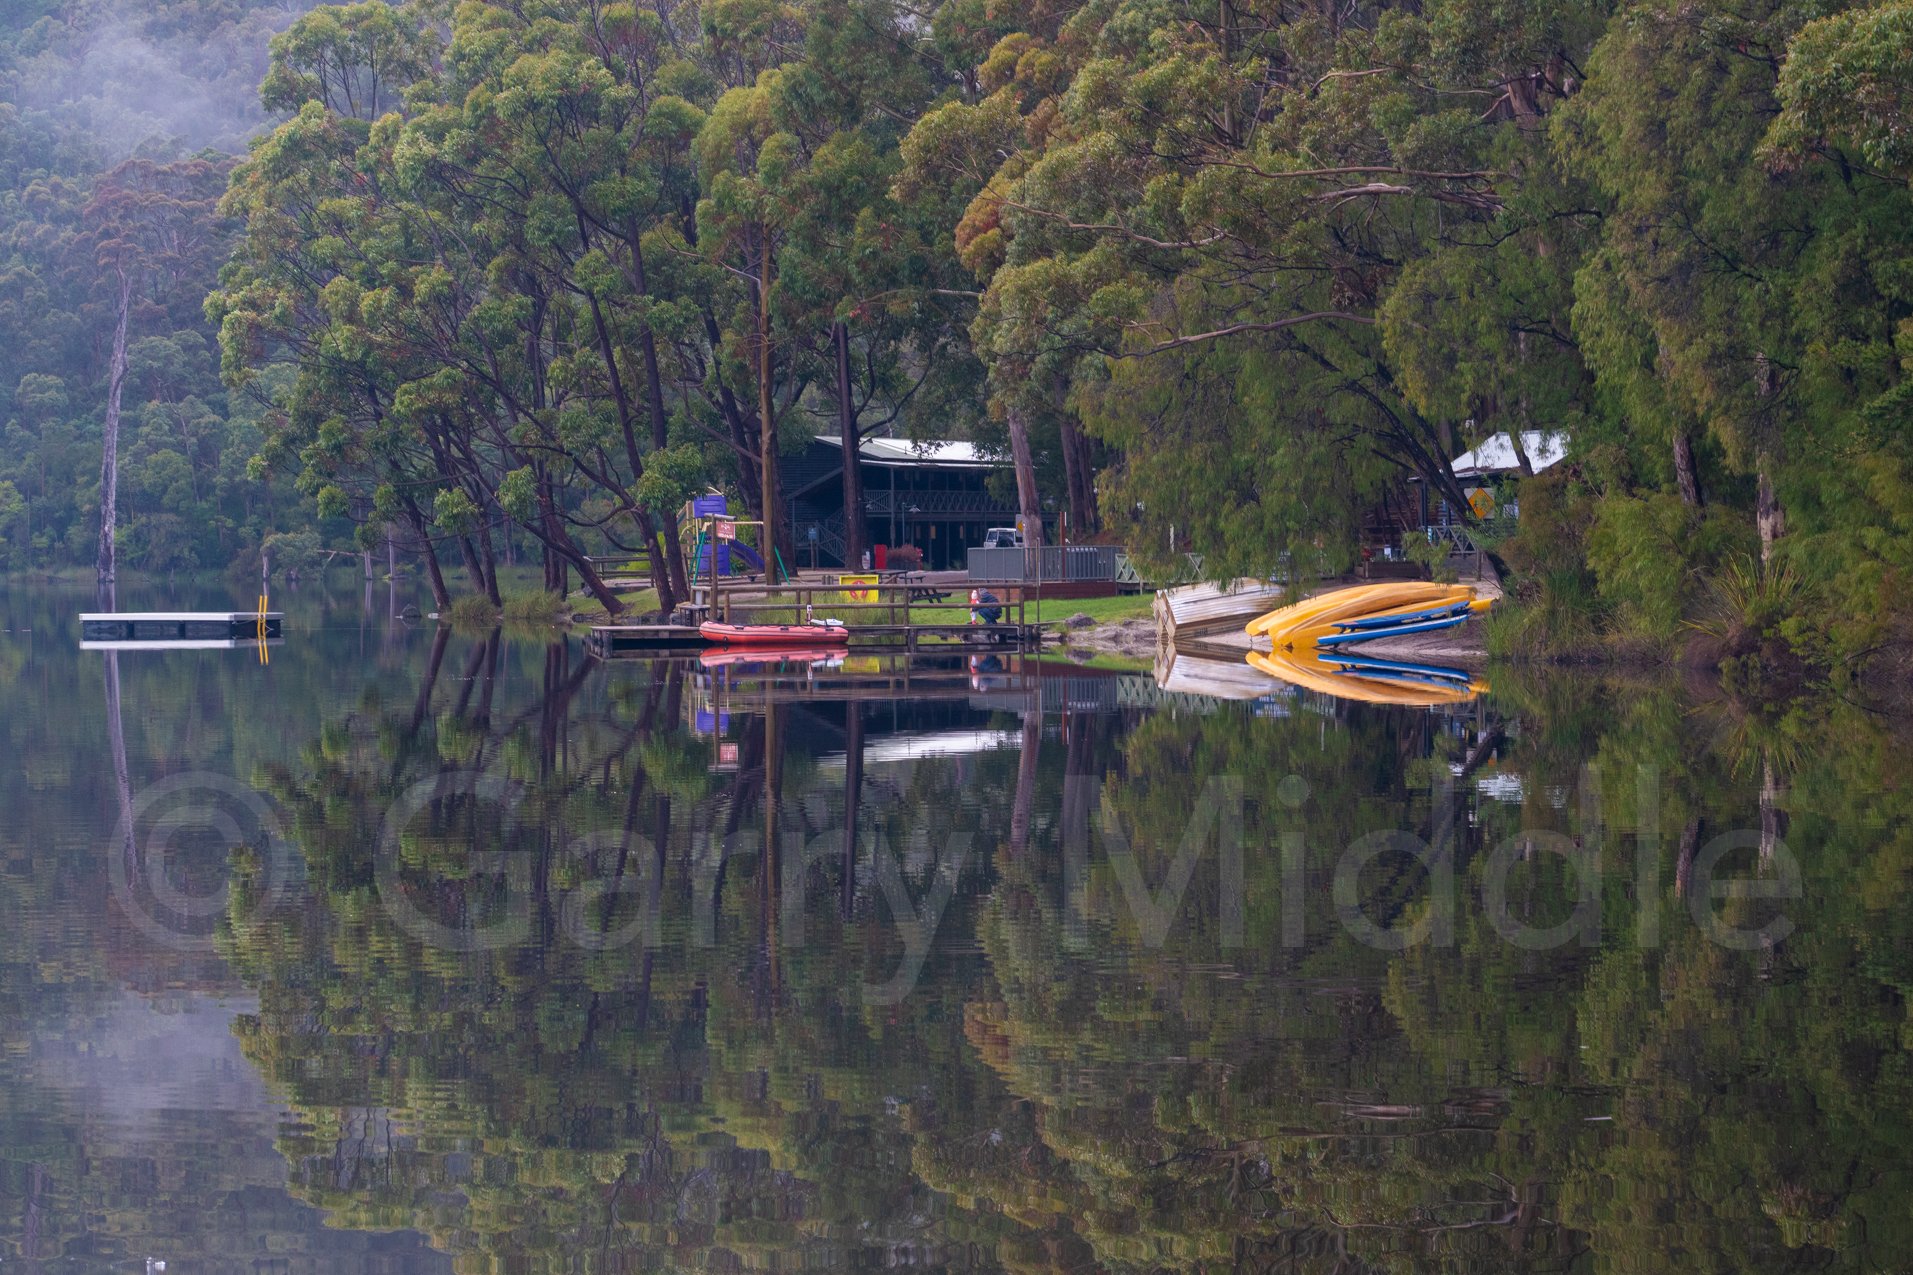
(820, 634)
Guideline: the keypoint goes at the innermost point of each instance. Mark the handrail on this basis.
(1047, 563)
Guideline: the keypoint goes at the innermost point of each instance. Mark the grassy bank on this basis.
(584, 609)
(1053, 612)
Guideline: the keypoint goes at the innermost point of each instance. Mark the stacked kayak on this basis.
(1365, 613)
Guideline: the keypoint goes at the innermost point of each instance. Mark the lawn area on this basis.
(1054, 611)
(637, 602)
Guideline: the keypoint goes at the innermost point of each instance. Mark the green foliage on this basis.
(1848, 81)
(294, 553)
(671, 477)
(1431, 553)
(1649, 555)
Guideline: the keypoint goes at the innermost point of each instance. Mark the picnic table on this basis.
(921, 590)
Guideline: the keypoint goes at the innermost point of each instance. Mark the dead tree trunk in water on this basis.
(110, 451)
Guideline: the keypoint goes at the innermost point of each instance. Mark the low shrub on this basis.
(472, 611)
(535, 608)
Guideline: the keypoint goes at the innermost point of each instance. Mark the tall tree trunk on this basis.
(468, 548)
(562, 554)
(743, 430)
(557, 576)
(853, 468)
(1684, 474)
(647, 530)
(766, 416)
(1029, 507)
(1769, 517)
(1079, 466)
(110, 451)
(660, 435)
(488, 566)
(441, 596)
(1525, 465)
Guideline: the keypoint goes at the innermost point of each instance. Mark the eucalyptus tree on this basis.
(1756, 243)
(1197, 228)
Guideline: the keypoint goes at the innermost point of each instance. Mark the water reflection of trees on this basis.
(1061, 1092)
(126, 1129)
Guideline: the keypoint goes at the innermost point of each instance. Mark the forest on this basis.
(470, 279)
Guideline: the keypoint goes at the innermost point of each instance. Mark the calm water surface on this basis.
(411, 951)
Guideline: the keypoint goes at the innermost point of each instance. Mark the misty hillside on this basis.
(130, 77)
(118, 119)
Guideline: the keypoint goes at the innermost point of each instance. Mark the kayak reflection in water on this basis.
(1370, 679)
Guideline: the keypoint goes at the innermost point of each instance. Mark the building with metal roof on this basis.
(934, 495)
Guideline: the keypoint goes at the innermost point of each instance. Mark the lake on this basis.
(401, 950)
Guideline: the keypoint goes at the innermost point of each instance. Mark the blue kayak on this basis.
(1395, 630)
(1370, 666)
(1411, 617)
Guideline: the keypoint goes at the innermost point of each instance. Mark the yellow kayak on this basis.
(1365, 606)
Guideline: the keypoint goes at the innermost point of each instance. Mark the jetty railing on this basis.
(750, 603)
(1049, 564)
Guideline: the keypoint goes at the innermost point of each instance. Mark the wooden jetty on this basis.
(215, 628)
(611, 641)
(608, 641)
(888, 608)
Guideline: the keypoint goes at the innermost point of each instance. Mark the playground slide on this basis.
(733, 558)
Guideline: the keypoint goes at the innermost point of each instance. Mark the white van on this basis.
(1002, 538)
